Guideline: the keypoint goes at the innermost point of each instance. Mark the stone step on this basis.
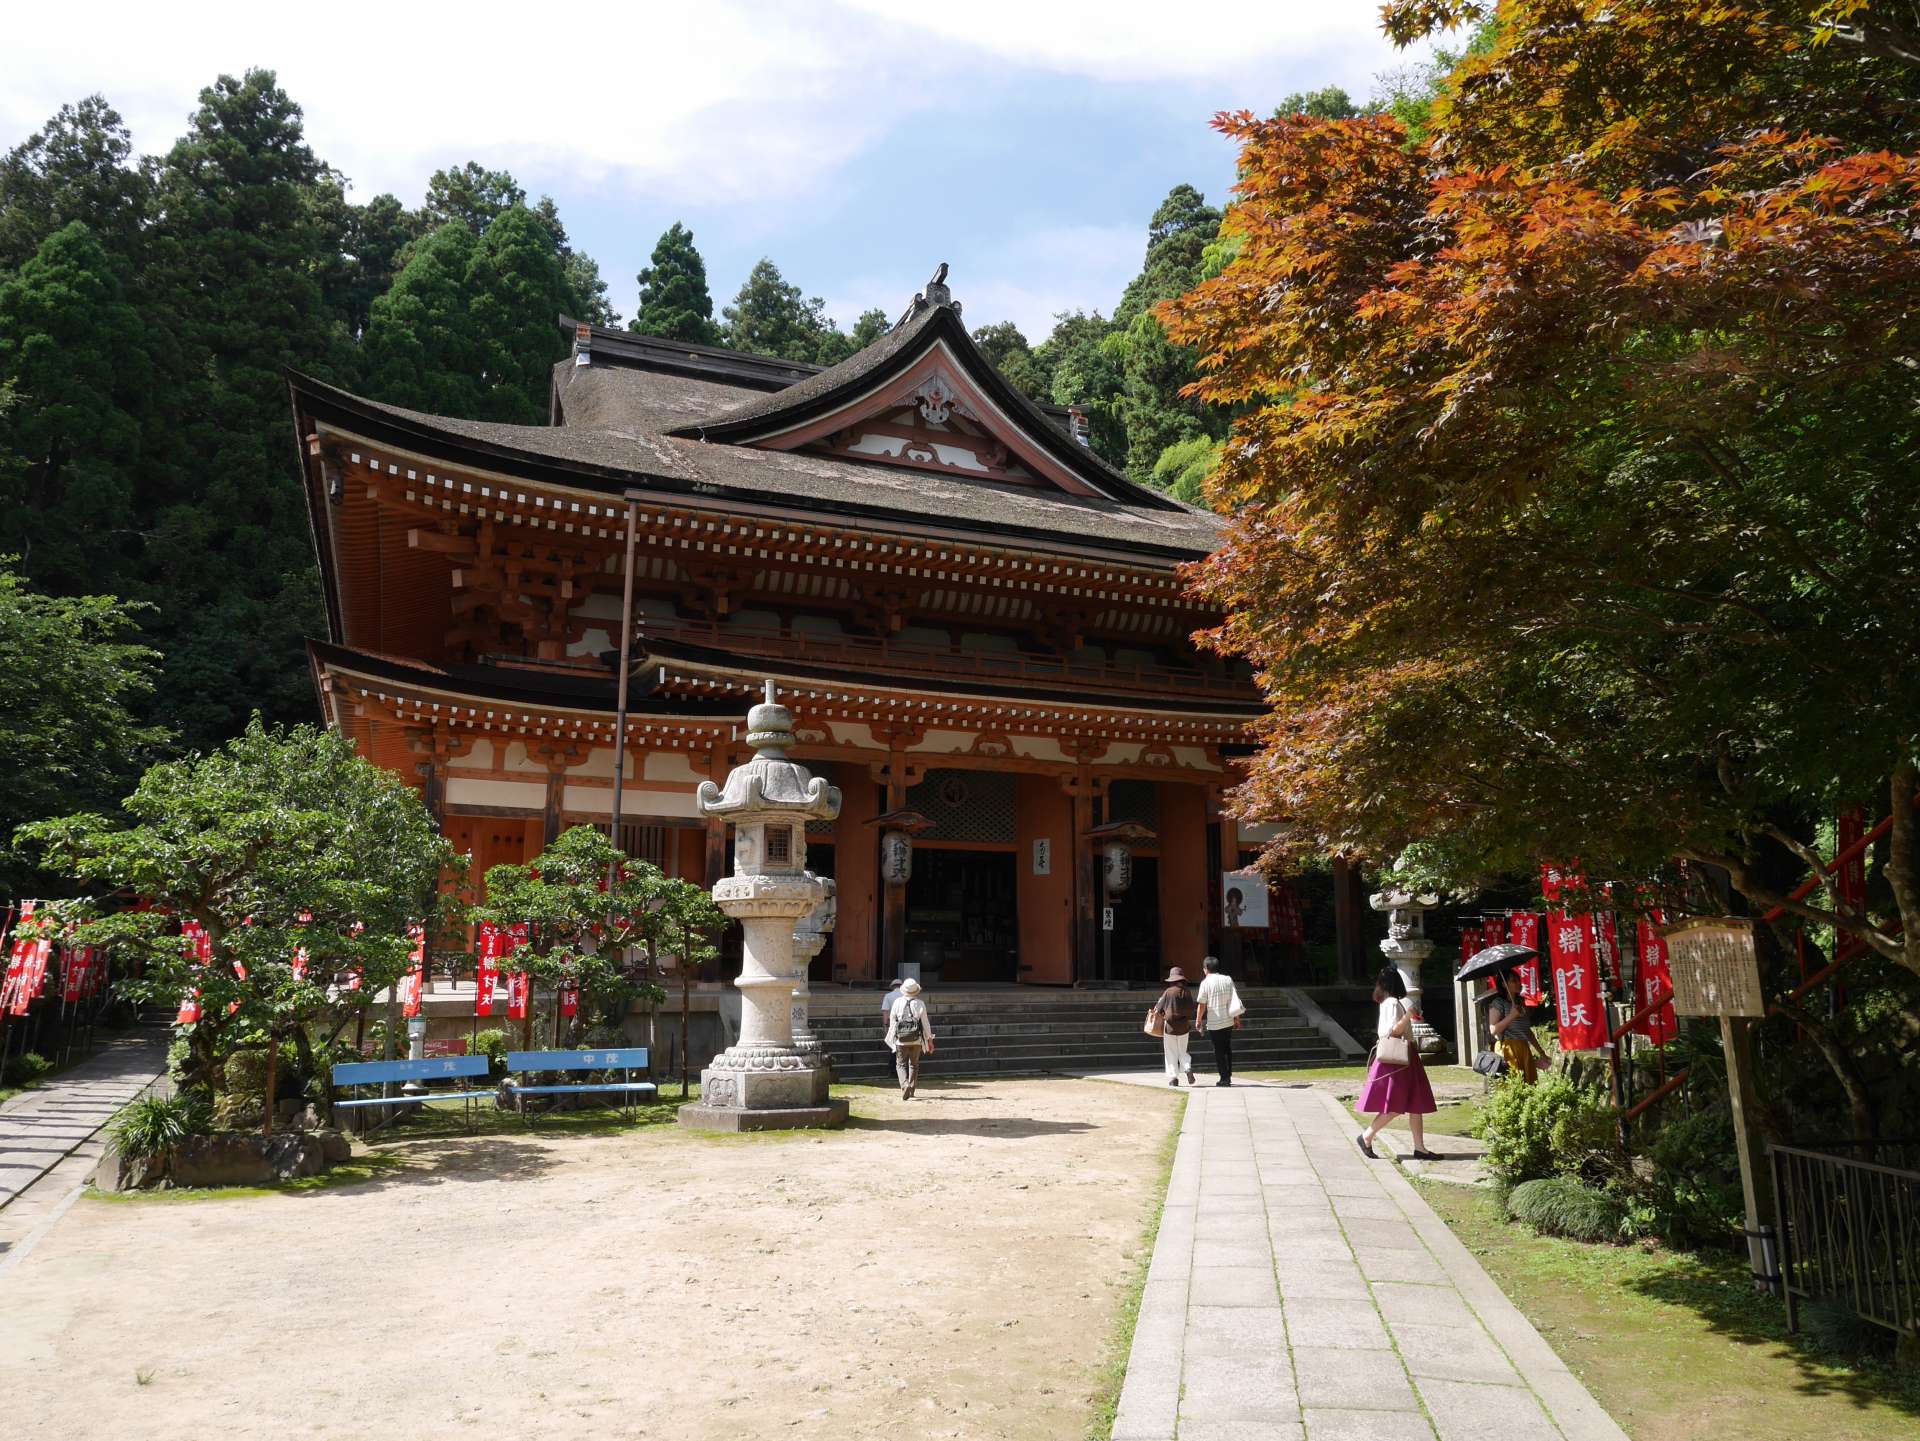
(1132, 1060)
(878, 1055)
(946, 1026)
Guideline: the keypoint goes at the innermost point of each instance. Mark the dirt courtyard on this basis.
(946, 1267)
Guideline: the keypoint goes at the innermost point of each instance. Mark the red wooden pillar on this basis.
(1185, 886)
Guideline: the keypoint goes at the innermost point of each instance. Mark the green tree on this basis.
(771, 317)
(515, 288)
(472, 195)
(72, 679)
(1080, 368)
(674, 301)
(594, 918)
(1183, 468)
(74, 361)
(1007, 349)
(1329, 102)
(376, 235)
(78, 166)
(869, 326)
(421, 348)
(238, 245)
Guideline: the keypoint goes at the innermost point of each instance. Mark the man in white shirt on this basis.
(1217, 1002)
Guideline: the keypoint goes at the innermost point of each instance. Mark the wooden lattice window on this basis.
(644, 842)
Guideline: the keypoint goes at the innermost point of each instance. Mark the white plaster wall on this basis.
(1194, 756)
(464, 792)
(515, 758)
(635, 804)
(1039, 748)
(1121, 753)
(670, 766)
(946, 742)
(850, 733)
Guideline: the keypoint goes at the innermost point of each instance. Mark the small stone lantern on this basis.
(1406, 946)
(764, 1080)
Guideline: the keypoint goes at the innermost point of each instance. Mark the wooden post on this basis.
(1736, 1040)
(1350, 942)
(556, 792)
(620, 698)
(1086, 922)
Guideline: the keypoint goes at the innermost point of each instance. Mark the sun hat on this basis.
(910, 987)
(1176, 974)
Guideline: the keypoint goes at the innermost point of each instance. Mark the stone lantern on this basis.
(764, 1080)
(1406, 946)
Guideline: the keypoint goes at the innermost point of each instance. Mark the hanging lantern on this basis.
(897, 830)
(1116, 840)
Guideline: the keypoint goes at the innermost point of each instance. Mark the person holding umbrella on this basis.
(1512, 1031)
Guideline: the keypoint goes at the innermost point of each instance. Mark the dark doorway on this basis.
(1136, 925)
(963, 919)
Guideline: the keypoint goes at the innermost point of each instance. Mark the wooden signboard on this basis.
(1716, 971)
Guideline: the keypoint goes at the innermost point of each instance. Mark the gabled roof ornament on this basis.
(936, 293)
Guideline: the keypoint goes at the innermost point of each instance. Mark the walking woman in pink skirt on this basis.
(1395, 1088)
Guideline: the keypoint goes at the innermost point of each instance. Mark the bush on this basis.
(1562, 1206)
(1551, 1128)
(27, 1069)
(153, 1123)
(1690, 1195)
(494, 1046)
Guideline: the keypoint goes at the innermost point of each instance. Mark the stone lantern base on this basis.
(764, 1100)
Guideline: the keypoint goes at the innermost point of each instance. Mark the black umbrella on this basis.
(1494, 960)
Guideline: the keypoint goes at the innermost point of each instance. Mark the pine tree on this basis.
(515, 289)
(78, 166)
(675, 303)
(376, 234)
(73, 364)
(471, 194)
(421, 349)
(239, 243)
(771, 317)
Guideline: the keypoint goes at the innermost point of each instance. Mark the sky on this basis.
(857, 143)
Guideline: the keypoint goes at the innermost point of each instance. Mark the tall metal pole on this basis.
(620, 704)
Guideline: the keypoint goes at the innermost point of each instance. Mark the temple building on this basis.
(971, 615)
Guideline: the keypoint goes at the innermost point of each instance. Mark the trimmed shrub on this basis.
(1562, 1206)
(1551, 1128)
(153, 1123)
(1690, 1194)
(27, 1069)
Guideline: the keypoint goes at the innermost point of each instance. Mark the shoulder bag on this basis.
(1156, 1023)
(1395, 1050)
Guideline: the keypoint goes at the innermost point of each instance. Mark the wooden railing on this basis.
(887, 654)
(1849, 1217)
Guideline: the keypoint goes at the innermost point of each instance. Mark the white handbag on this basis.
(1395, 1050)
(1236, 1008)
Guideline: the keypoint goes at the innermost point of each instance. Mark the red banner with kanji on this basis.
(1524, 930)
(414, 981)
(1285, 913)
(197, 946)
(76, 964)
(519, 990)
(1653, 977)
(569, 1000)
(491, 946)
(1576, 982)
(26, 967)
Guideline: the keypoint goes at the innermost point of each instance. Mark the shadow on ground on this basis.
(1721, 1293)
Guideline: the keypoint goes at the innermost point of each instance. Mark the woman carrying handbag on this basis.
(1171, 1019)
(1396, 1081)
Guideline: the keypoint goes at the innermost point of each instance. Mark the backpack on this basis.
(906, 1026)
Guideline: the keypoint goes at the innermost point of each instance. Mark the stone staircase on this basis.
(1011, 1031)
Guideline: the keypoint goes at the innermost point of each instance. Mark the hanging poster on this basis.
(1576, 982)
(1244, 899)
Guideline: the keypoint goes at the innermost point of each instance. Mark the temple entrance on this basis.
(1136, 926)
(962, 915)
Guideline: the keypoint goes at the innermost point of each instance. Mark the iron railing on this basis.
(1849, 1217)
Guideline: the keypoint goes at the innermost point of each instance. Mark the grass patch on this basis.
(1674, 1345)
(364, 1167)
(1112, 1374)
(1454, 1118)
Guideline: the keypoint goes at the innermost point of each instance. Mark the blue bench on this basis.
(624, 1059)
(355, 1074)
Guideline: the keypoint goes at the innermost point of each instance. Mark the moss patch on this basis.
(1677, 1346)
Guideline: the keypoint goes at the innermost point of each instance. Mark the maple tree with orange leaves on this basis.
(1573, 486)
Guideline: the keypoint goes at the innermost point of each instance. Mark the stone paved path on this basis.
(1298, 1290)
(50, 1138)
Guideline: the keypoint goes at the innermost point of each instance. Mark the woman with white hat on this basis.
(909, 1034)
(1173, 1013)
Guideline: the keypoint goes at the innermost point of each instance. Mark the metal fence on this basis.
(1850, 1229)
